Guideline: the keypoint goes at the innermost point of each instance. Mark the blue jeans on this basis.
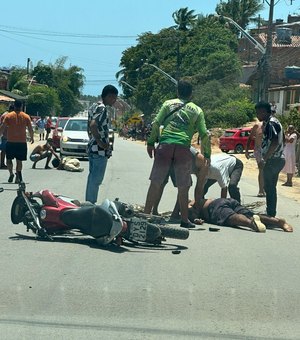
(97, 167)
(272, 169)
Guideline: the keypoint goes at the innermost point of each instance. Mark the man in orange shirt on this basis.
(16, 123)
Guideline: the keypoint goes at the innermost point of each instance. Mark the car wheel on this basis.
(239, 148)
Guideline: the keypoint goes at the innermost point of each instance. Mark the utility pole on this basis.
(266, 65)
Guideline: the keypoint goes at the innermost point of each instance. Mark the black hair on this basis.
(18, 104)
(184, 89)
(264, 105)
(109, 89)
(55, 162)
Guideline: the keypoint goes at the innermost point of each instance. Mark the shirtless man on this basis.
(257, 134)
(229, 212)
(43, 151)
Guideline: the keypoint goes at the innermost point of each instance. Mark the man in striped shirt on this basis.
(98, 147)
(272, 160)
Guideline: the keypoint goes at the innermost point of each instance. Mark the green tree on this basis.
(241, 11)
(184, 18)
(42, 101)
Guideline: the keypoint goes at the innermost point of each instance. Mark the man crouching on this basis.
(41, 152)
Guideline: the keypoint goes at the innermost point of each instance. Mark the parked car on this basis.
(57, 130)
(74, 138)
(235, 139)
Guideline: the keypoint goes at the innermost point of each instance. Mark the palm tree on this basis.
(241, 11)
(184, 19)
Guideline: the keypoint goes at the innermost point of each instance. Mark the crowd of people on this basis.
(169, 143)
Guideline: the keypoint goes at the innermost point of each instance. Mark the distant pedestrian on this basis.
(41, 127)
(290, 155)
(16, 123)
(257, 134)
(48, 125)
(4, 138)
(99, 149)
(272, 160)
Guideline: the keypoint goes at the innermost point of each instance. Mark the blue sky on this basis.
(115, 24)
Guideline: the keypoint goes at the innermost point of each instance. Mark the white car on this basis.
(74, 138)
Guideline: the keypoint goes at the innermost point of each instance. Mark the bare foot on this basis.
(198, 221)
(285, 226)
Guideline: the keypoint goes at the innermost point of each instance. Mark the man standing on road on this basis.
(181, 119)
(16, 123)
(99, 149)
(4, 138)
(257, 134)
(272, 160)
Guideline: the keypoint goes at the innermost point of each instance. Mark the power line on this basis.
(13, 29)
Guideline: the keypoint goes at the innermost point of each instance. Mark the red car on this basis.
(57, 130)
(236, 140)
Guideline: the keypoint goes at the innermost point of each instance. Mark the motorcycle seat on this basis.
(91, 220)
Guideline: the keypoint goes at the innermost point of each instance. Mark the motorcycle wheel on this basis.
(174, 232)
(18, 210)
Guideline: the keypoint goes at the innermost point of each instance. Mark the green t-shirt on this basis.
(180, 126)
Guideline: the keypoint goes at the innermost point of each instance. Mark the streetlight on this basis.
(246, 34)
(173, 80)
(264, 65)
(130, 86)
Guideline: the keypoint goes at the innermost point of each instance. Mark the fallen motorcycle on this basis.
(47, 214)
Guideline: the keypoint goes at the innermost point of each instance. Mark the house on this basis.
(285, 62)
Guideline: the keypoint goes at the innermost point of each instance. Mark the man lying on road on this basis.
(229, 212)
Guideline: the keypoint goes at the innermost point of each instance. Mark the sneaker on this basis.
(258, 225)
(10, 179)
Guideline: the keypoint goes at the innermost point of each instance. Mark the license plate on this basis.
(138, 229)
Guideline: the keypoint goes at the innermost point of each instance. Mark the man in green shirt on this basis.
(174, 126)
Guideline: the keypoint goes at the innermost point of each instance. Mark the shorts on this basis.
(16, 150)
(41, 131)
(3, 144)
(178, 156)
(35, 157)
(222, 208)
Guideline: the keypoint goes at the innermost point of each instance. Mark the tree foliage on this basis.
(49, 88)
(204, 53)
(241, 11)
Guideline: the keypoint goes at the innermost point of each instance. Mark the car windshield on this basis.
(229, 133)
(76, 125)
(62, 123)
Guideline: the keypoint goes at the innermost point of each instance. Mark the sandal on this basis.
(261, 194)
(258, 225)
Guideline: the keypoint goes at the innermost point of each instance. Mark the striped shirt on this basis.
(273, 129)
(99, 114)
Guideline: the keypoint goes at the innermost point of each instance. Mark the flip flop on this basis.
(261, 195)
(259, 226)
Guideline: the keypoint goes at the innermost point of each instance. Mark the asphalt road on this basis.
(231, 284)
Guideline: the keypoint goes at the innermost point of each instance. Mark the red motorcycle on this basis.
(48, 214)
